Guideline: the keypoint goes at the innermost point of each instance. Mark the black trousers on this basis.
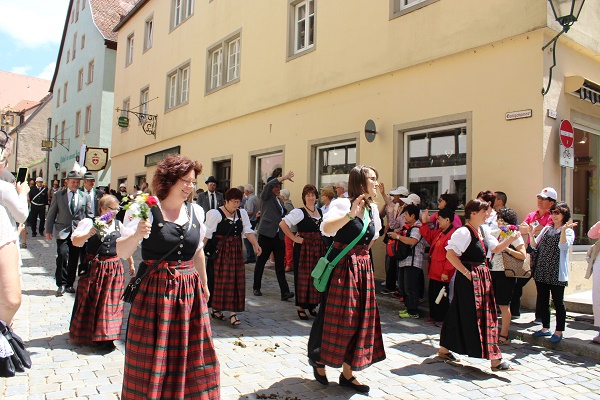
(543, 304)
(411, 277)
(437, 312)
(391, 273)
(277, 247)
(67, 259)
(35, 213)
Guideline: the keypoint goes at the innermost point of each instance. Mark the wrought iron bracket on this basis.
(553, 43)
(148, 121)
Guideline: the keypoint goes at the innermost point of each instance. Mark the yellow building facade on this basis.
(453, 88)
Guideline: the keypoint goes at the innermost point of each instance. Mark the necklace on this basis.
(230, 212)
(312, 211)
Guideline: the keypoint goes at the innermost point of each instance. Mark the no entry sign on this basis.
(566, 152)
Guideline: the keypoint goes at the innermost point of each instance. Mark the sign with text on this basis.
(566, 150)
(518, 114)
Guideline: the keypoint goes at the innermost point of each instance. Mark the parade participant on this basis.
(124, 200)
(440, 270)
(551, 274)
(270, 236)
(169, 352)
(503, 285)
(471, 326)
(211, 199)
(347, 330)
(38, 198)
(98, 310)
(226, 225)
(13, 210)
(68, 207)
(308, 248)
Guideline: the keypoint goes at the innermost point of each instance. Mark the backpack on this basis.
(400, 250)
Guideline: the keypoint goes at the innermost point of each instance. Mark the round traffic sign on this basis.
(567, 135)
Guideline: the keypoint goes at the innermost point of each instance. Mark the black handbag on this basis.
(211, 248)
(20, 360)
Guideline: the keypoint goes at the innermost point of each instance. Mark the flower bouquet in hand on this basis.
(144, 202)
(102, 221)
(508, 230)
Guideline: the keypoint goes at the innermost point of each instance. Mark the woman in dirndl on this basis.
(471, 325)
(169, 352)
(98, 310)
(227, 273)
(308, 248)
(347, 330)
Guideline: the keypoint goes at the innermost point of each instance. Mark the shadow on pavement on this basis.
(39, 292)
(297, 389)
(446, 370)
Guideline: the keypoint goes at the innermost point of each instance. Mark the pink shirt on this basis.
(594, 231)
(544, 220)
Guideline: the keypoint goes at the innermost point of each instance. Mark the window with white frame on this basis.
(401, 7)
(181, 10)
(436, 162)
(63, 127)
(224, 62)
(82, 42)
(55, 135)
(334, 162)
(74, 44)
(265, 166)
(77, 11)
(90, 77)
(304, 25)
(80, 80)
(88, 119)
(66, 89)
(144, 99)
(125, 110)
(178, 86)
(58, 98)
(77, 123)
(129, 50)
(68, 56)
(148, 33)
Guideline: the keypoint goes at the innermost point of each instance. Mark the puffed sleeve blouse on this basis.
(340, 207)
(213, 217)
(461, 238)
(294, 217)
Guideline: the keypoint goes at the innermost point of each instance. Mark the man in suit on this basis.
(67, 208)
(211, 199)
(88, 187)
(38, 199)
(270, 237)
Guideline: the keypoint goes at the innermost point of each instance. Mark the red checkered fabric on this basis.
(169, 353)
(229, 293)
(98, 309)
(486, 312)
(351, 327)
(306, 257)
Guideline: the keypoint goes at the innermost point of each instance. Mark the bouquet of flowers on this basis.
(144, 202)
(507, 230)
(102, 221)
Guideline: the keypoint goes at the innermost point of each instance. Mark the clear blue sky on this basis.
(30, 33)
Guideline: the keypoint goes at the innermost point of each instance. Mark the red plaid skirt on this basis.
(351, 327)
(471, 325)
(169, 353)
(306, 257)
(229, 293)
(98, 309)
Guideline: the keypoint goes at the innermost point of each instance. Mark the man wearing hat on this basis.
(38, 198)
(123, 201)
(211, 199)
(88, 187)
(67, 208)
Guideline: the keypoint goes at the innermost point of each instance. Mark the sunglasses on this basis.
(555, 212)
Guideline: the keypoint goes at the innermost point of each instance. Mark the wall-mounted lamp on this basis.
(583, 139)
(56, 165)
(566, 13)
(370, 131)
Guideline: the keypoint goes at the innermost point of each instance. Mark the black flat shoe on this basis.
(313, 312)
(257, 292)
(287, 296)
(322, 379)
(349, 383)
(302, 315)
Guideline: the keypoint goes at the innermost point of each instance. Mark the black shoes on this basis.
(61, 290)
(287, 296)
(70, 289)
(257, 292)
(322, 379)
(302, 315)
(349, 383)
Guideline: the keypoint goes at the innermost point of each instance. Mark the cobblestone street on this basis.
(265, 356)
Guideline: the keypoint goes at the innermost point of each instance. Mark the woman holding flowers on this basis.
(169, 352)
(98, 310)
(226, 225)
(504, 285)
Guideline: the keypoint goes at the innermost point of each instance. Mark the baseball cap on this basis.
(39, 179)
(548, 193)
(400, 190)
(411, 199)
(122, 185)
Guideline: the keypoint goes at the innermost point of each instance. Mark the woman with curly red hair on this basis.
(169, 352)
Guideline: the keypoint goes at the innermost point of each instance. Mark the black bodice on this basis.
(476, 252)
(104, 244)
(228, 226)
(353, 228)
(309, 224)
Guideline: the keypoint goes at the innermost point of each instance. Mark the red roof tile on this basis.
(108, 13)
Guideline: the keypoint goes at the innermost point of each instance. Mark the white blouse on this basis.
(295, 216)
(85, 226)
(340, 207)
(213, 217)
(130, 224)
(13, 210)
(461, 238)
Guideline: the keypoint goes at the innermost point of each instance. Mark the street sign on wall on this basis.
(566, 150)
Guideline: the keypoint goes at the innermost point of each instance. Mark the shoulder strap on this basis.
(353, 243)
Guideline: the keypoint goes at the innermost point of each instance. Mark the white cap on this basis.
(548, 193)
(39, 179)
(122, 185)
(412, 199)
(399, 191)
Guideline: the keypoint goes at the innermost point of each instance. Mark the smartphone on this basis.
(22, 174)
(535, 224)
